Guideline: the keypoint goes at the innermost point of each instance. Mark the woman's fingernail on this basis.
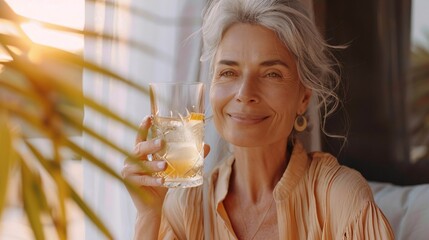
(159, 180)
(136, 150)
(144, 121)
(157, 142)
(161, 164)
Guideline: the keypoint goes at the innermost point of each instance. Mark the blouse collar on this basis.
(298, 164)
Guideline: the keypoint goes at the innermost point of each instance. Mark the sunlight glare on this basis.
(6, 28)
(69, 13)
(39, 34)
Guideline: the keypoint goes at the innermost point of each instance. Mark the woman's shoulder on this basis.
(340, 181)
(346, 198)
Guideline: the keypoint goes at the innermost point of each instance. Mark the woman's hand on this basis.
(141, 173)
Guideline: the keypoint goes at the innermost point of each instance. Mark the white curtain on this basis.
(154, 46)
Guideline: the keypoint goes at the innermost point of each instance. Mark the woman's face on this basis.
(256, 92)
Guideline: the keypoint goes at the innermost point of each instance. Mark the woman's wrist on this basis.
(147, 225)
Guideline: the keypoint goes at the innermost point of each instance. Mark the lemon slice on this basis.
(197, 116)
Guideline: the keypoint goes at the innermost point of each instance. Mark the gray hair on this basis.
(291, 21)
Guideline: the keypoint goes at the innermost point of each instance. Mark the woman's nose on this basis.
(248, 91)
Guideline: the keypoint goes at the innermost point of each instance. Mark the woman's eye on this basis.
(227, 74)
(273, 75)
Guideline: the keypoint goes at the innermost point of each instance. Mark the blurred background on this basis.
(385, 86)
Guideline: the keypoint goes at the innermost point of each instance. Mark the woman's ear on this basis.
(305, 100)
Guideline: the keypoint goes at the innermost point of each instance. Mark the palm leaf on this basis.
(31, 201)
(27, 79)
(103, 166)
(89, 213)
(49, 85)
(50, 166)
(6, 157)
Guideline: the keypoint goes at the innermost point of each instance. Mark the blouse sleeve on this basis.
(182, 216)
(353, 213)
(369, 224)
(166, 231)
(155, 226)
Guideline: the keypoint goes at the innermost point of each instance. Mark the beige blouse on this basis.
(316, 198)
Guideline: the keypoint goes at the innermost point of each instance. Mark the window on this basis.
(385, 102)
(67, 13)
(419, 82)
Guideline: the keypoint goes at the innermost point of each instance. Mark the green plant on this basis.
(419, 97)
(35, 97)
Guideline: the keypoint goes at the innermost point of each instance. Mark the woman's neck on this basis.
(256, 171)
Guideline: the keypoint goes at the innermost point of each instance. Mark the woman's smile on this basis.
(246, 119)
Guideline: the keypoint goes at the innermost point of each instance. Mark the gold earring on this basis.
(300, 123)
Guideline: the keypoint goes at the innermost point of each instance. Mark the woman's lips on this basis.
(247, 118)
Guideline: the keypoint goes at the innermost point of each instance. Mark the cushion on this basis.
(406, 208)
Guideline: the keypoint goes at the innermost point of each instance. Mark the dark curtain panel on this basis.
(374, 72)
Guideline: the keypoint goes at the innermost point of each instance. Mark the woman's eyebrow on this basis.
(274, 62)
(227, 62)
(267, 63)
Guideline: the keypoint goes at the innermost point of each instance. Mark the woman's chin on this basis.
(249, 141)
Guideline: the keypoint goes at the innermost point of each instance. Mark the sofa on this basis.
(406, 207)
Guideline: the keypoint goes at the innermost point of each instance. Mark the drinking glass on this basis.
(178, 119)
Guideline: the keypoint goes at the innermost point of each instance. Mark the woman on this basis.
(267, 60)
